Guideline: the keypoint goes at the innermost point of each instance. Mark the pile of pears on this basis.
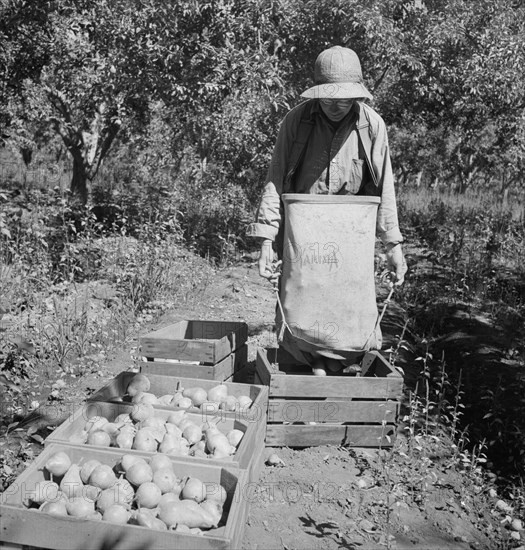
(176, 435)
(136, 491)
(211, 401)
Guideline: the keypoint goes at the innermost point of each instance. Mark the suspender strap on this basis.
(363, 125)
(304, 130)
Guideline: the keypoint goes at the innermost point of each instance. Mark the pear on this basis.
(95, 423)
(147, 520)
(154, 422)
(234, 437)
(160, 461)
(87, 468)
(194, 489)
(58, 464)
(214, 509)
(80, 507)
(199, 453)
(44, 491)
(112, 428)
(114, 495)
(177, 396)
(165, 400)
(128, 460)
(128, 429)
(244, 401)
(218, 393)
(125, 490)
(145, 441)
(216, 492)
(176, 417)
(54, 508)
(124, 417)
(192, 433)
(229, 403)
(199, 446)
(186, 512)
(165, 479)
(177, 447)
(103, 477)
(169, 441)
(148, 495)
(139, 383)
(116, 513)
(172, 429)
(141, 411)
(124, 440)
(91, 492)
(185, 403)
(197, 395)
(146, 397)
(156, 426)
(71, 483)
(99, 437)
(139, 473)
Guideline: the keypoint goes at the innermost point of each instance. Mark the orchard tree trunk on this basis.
(80, 186)
(87, 147)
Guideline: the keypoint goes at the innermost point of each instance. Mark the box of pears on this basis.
(207, 397)
(140, 428)
(86, 498)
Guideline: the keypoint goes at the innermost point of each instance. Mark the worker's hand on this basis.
(396, 264)
(268, 268)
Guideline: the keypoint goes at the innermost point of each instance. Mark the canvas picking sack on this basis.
(327, 287)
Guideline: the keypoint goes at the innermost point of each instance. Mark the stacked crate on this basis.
(186, 354)
(211, 350)
(306, 410)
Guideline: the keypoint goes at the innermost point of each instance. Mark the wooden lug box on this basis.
(116, 392)
(306, 410)
(206, 341)
(22, 526)
(246, 457)
(228, 368)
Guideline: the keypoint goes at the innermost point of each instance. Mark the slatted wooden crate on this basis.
(70, 433)
(22, 526)
(227, 368)
(116, 392)
(204, 349)
(306, 410)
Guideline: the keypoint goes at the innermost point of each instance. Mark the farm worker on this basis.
(331, 144)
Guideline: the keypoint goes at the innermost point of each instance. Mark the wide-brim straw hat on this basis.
(337, 75)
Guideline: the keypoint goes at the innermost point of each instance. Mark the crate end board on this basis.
(206, 341)
(220, 371)
(294, 435)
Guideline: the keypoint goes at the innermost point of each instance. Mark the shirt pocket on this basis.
(355, 176)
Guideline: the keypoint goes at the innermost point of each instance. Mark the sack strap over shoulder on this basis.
(304, 131)
(363, 125)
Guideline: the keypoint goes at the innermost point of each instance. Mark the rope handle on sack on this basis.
(285, 326)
